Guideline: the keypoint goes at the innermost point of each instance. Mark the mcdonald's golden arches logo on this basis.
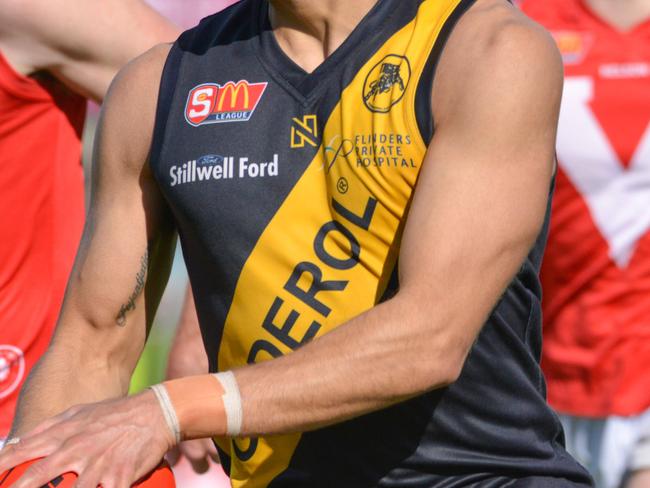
(211, 103)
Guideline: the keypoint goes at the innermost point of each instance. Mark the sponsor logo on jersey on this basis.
(345, 225)
(573, 45)
(369, 150)
(304, 131)
(386, 83)
(624, 70)
(211, 103)
(12, 369)
(214, 167)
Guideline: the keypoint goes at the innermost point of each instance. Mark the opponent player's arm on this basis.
(477, 210)
(83, 43)
(121, 267)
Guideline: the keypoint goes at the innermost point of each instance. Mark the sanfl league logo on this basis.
(211, 103)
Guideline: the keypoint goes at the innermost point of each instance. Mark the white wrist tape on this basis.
(231, 402)
(168, 411)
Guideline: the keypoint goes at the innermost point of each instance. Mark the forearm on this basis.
(110, 299)
(94, 350)
(416, 342)
(90, 358)
(383, 356)
(60, 380)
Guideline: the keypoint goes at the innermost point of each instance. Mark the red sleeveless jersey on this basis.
(596, 272)
(41, 217)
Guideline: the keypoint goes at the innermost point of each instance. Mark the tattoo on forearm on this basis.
(139, 285)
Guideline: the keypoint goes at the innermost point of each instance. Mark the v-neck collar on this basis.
(304, 85)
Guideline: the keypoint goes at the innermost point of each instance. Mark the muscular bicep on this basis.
(123, 261)
(118, 32)
(83, 43)
(483, 191)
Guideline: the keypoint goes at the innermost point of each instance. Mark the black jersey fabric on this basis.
(289, 191)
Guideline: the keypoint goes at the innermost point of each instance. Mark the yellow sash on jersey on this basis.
(340, 225)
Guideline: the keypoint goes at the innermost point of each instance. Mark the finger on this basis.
(215, 457)
(44, 471)
(200, 465)
(91, 477)
(193, 449)
(173, 456)
(8, 457)
(143, 470)
(46, 433)
(122, 470)
(212, 451)
(125, 479)
(26, 450)
(197, 455)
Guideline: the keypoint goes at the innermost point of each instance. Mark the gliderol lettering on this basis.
(316, 271)
(213, 167)
(308, 283)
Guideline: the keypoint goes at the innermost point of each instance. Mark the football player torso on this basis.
(289, 191)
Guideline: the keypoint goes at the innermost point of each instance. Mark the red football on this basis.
(161, 477)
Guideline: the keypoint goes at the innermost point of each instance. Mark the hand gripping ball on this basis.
(161, 477)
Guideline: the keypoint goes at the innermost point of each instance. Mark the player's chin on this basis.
(160, 477)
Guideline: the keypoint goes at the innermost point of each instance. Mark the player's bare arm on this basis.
(478, 208)
(120, 271)
(82, 43)
(124, 248)
(472, 222)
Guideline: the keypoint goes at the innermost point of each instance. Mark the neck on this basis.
(623, 14)
(309, 31)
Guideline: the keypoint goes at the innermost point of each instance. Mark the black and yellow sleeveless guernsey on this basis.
(289, 191)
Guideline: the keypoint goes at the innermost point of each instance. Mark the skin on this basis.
(623, 15)
(476, 213)
(58, 36)
(310, 31)
(640, 479)
(187, 358)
